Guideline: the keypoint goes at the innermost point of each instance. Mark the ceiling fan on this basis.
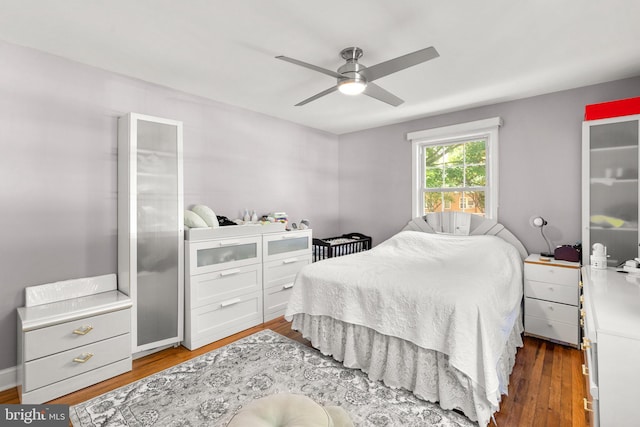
(354, 78)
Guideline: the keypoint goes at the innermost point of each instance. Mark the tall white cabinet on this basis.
(150, 228)
(610, 186)
(611, 344)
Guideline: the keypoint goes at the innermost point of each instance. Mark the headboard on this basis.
(464, 224)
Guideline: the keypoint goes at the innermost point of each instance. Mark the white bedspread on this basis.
(459, 295)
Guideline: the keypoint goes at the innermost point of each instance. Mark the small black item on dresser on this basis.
(223, 220)
(567, 253)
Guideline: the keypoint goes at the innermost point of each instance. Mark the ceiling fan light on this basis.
(352, 87)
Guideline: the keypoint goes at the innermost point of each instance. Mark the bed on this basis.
(435, 309)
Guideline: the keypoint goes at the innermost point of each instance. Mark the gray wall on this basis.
(58, 172)
(539, 172)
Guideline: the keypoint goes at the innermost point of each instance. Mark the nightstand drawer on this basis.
(552, 274)
(54, 339)
(47, 370)
(551, 311)
(552, 329)
(552, 292)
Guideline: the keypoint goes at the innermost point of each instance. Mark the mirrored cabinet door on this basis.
(610, 187)
(150, 230)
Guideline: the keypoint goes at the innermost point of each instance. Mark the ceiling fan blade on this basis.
(400, 63)
(375, 91)
(318, 95)
(310, 66)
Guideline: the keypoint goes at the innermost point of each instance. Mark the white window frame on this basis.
(486, 129)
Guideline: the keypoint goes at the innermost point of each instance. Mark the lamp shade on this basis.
(537, 221)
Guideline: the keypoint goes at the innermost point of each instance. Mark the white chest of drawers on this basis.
(611, 344)
(284, 255)
(551, 290)
(223, 292)
(239, 277)
(71, 335)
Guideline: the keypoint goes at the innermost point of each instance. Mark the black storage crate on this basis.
(341, 245)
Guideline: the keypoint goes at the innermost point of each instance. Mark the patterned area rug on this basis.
(210, 389)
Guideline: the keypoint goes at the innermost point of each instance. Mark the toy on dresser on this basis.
(599, 256)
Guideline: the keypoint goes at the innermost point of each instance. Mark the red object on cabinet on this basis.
(605, 110)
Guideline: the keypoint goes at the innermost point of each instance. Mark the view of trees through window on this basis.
(455, 177)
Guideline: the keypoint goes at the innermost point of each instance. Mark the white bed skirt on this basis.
(402, 364)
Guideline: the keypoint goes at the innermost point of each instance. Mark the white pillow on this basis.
(193, 220)
(207, 214)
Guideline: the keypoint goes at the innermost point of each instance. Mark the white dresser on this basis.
(551, 291)
(611, 344)
(284, 254)
(237, 277)
(72, 334)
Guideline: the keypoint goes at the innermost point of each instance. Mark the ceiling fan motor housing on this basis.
(351, 70)
(351, 53)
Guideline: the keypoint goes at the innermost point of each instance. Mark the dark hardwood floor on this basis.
(546, 387)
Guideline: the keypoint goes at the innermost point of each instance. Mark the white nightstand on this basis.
(72, 334)
(551, 299)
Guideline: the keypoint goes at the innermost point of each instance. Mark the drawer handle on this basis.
(83, 358)
(551, 288)
(84, 330)
(229, 243)
(586, 404)
(287, 286)
(230, 302)
(585, 370)
(551, 307)
(586, 343)
(289, 260)
(229, 272)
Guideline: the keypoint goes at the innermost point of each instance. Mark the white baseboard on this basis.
(8, 378)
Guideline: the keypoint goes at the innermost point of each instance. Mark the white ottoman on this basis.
(289, 410)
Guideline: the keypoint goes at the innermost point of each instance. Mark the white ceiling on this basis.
(490, 50)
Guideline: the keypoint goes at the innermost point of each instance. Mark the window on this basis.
(466, 203)
(455, 169)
